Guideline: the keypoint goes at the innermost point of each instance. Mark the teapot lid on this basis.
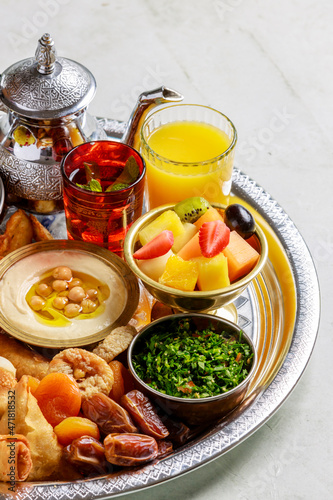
(46, 86)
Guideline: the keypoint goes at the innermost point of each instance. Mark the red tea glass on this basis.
(102, 218)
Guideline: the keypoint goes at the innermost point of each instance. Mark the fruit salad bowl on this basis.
(196, 300)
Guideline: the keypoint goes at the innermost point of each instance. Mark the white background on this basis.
(268, 65)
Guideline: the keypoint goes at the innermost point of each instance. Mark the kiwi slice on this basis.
(191, 209)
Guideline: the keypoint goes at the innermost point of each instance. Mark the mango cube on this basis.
(213, 272)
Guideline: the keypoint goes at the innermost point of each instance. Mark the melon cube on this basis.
(241, 257)
(182, 239)
(191, 249)
(210, 215)
(154, 268)
(213, 272)
(167, 220)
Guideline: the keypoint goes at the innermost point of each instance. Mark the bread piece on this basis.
(18, 232)
(115, 343)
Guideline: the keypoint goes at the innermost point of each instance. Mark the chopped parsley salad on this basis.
(188, 363)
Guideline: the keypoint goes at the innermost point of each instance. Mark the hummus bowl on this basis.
(22, 269)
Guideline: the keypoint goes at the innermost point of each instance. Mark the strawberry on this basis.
(156, 247)
(213, 238)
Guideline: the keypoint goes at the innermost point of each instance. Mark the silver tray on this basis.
(285, 346)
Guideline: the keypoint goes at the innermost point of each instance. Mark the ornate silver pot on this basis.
(43, 114)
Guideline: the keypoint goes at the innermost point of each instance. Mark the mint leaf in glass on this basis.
(93, 185)
(117, 186)
(91, 170)
(129, 175)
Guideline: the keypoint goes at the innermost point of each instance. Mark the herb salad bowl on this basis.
(204, 357)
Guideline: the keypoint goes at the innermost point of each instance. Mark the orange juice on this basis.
(187, 158)
(188, 142)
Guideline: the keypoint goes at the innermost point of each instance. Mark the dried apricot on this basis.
(75, 427)
(123, 381)
(59, 397)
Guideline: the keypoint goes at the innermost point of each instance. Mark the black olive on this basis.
(238, 218)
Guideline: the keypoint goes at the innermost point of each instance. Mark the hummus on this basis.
(20, 277)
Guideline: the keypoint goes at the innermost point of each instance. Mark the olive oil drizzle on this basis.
(49, 315)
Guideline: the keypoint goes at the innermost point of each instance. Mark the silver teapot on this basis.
(43, 114)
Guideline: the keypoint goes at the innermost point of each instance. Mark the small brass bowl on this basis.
(193, 411)
(196, 300)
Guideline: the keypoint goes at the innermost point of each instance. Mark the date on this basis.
(144, 415)
(130, 449)
(164, 448)
(87, 454)
(107, 414)
(179, 433)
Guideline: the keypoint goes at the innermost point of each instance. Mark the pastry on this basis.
(26, 361)
(91, 372)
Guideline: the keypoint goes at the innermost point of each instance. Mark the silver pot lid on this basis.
(46, 86)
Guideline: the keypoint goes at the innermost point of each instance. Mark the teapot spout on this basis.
(145, 102)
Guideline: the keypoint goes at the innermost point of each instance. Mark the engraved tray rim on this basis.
(263, 407)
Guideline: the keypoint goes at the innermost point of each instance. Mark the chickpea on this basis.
(63, 294)
(72, 310)
(60, 302)
(92, 293)
(43, 289)
(88, 306)
(76, 294)
(78, 373)
(74, 282)
(59, 285)
(37, 303)
(62, 273)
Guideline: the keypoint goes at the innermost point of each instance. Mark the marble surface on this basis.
(268, 66)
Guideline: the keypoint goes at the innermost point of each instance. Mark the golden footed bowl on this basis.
(196, 300)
